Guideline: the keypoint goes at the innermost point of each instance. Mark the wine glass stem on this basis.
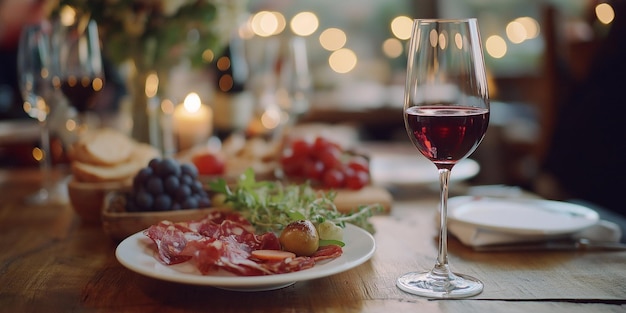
(45, 163)
(442, 256)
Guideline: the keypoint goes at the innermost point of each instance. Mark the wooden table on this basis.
(51, 262)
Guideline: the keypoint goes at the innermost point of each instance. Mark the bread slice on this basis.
(140, 156)
(104, 146)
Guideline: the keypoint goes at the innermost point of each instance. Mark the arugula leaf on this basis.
(272, 205)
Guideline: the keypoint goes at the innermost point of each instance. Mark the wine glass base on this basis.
(425, 284)
(55, 195)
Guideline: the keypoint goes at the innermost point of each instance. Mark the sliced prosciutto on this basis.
(224, 241)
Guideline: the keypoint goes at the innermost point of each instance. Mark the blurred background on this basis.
(535, 52)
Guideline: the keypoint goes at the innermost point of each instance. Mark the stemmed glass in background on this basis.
(446, 114)
(280, 82)
(80, 66)
(34, 65)
(294, 80)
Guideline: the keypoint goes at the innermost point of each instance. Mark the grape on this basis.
(176, 206)
(171, 184)
(143, 200)
(154, 185)
(183, 192)
(142, 176)
(154, 164)
(204, 202)
(162, 202)
(186, 180)
(189, 169)
(165, 184)
(190, 203)
(327, 230)
(196, 187)
(168, 167)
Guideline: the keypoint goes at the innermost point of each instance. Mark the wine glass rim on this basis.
(446, 20)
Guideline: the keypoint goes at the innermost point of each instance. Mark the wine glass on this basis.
(281, 83)
(38, 92)
(446, 114)
(80, 66)
(294, 82)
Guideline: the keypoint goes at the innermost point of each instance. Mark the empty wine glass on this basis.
(80, 66)
(294, 80)
(34, 68)
(446, 114)
(280, 82)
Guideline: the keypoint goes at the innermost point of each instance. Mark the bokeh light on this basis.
(605, 13)
(516, 32)
(304, 23)
(342, 61)
(496, 46)
(264, 23)
(392, 48)
(333, 39)
(531, 26)
(401, 27)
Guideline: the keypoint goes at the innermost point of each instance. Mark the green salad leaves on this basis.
(272, 205)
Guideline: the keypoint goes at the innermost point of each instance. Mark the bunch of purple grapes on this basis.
(164, 185)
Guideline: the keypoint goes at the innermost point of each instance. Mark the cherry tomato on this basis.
(359, 164)
(334, 178)
(322, 143)
(292, 165)
(301, 148)
(356, 180)
(313, 169)
(209, 164)
(330, 156)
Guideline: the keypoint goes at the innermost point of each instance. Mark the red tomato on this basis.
(356, 180)
(359, 164)
(334, 178)
(292, 165)
(322, 143)
(301, 148)
(313, 169)
(330, 156)
(209, 164)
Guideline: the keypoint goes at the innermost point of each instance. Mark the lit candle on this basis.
(152, 86)
(192, 122)
(167, 125)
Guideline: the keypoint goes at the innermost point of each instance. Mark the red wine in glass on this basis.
(446, 115)
(446, 134)
(81, 92)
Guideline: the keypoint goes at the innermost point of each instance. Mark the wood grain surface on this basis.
(52, 262)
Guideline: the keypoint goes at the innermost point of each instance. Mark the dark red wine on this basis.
(81, 93)
(446, 134)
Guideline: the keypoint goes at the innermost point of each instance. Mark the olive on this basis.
(300, 237)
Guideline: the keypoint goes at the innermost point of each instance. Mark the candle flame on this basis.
(192, 102)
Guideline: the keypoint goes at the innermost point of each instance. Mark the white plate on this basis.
(410, 170)
(521, 216)
(136, 254)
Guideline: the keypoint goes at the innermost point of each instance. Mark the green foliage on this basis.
(271, 205)
(159, 34)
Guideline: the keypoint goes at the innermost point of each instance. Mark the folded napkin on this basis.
(475, 236)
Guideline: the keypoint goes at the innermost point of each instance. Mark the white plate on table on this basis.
(410, 170)
(530, 217)
(138, 254)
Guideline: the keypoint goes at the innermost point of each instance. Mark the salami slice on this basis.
(224, 241)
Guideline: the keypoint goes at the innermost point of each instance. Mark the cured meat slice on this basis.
(327, 253)
(224, 241)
